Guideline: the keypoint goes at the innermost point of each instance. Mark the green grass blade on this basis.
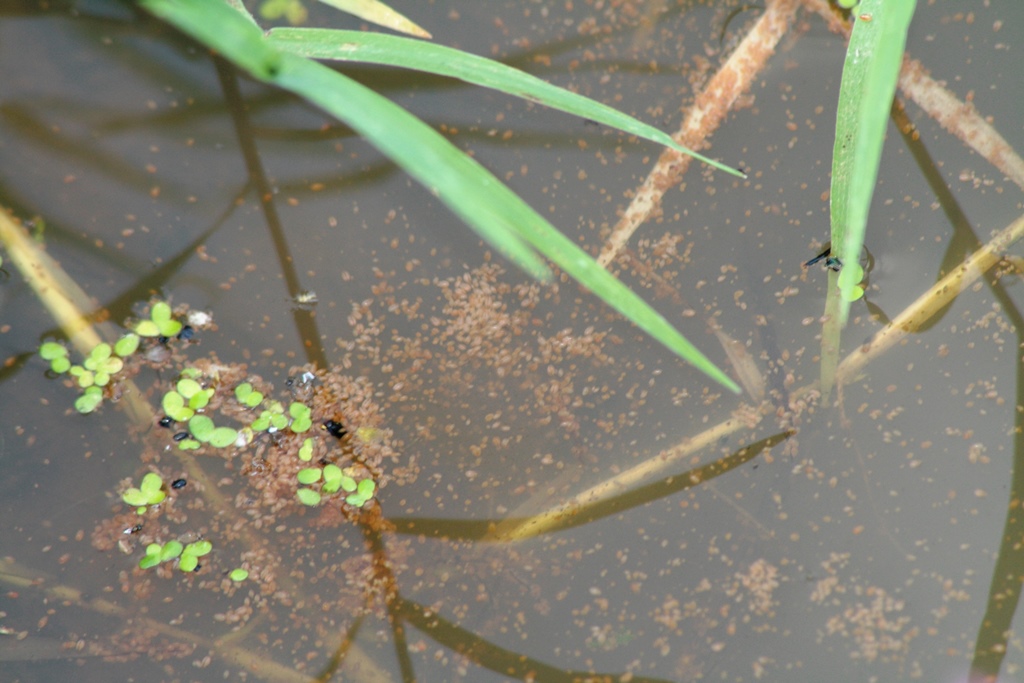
(461, 183)
(378, 48)
(870, 72)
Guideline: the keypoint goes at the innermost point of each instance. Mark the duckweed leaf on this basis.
(134, 497)
(147, 328)
(306, 453)
(188, 387)
(301, 424)
(149, 561)
(366, 488)
(152, 487)
(169, 328)
(248, 396)
(85, 378)
(201, 427)
(127, 345)
(152, 557)
(348, 483)
(171, 550)
(198, 548)
(173, 404)
(222, 437)
(309, 475)
(161, 312)
(101, 352)
(200, 399)
(60, 365)
(52, 350)
(89, 401)
(188, 445)
(332, 478)
(308, 497)
(356, 500)
(238, 575)
(188, 563)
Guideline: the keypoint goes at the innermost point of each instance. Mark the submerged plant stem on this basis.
(702, 119)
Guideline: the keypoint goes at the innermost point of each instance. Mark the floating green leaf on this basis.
(309, 475)
(152, 556)
(134, 497)
(174, 407)
(171, 550)
(188, 563)
(52, 350)
(60, 365)
(308, 497)
(200, 399)
(198, 548)
(161, 312)
(90, 400)
(127, 345)
(147, 328)
(238, 575)
(306, 452)
(332, 478)
(248, 396)
(152, 486)
(188, 445)
(201, 427)
(222, 437)
(188, 387)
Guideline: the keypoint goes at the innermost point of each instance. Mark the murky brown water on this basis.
(812, 542)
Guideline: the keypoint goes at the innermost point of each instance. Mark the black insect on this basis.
(181, 436)
(187, 332)
(830, 261)
(335, 429)
(178, 484)
(166, 422)
(197, 567)
(133, 530)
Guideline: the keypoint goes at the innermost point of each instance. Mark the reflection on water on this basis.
(557, 499)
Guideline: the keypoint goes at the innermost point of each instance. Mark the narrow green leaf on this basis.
(870, 72)
(379, 48)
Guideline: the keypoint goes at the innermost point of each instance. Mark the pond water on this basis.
(558, 497)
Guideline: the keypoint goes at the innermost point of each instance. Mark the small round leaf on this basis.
(171, 550)
(127, 345)
(222, 437)
(51, 350)
(308, 497)
(161, 312)
(202, 427)
(309, 475)
(238, 575)
(147, 328)
(188, 562)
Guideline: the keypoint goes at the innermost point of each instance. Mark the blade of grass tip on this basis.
(378, 13)
(377, 48)
(870, 72)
